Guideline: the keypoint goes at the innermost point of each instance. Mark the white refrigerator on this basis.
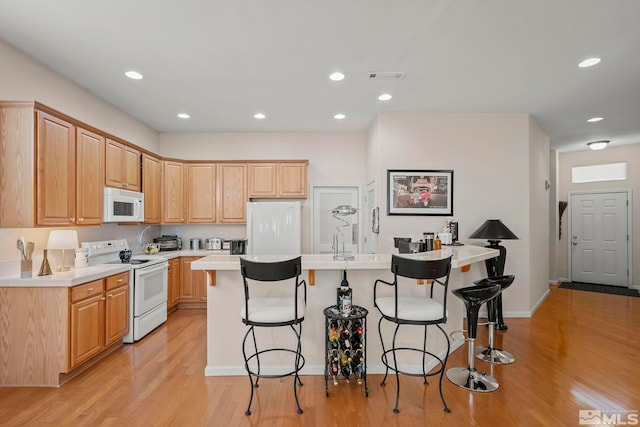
(274, 228)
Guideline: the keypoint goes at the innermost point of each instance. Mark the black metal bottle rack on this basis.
(345, 346)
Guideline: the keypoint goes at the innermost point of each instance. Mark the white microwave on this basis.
(123, 205)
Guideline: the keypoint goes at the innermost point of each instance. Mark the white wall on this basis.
(489, 154)
(626, 153)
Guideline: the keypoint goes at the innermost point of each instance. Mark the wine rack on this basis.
(345, 346)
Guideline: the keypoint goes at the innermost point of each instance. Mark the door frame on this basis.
(629, 193)
(312, 233)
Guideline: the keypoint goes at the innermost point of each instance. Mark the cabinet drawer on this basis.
(80, 292)
(117, 280)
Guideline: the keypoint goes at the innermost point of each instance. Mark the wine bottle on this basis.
(334, 365)
(333, 331)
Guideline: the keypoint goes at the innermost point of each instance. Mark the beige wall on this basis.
(627, 153)
(334, 159)
(538, 212)
(489, 154)
(23, 79)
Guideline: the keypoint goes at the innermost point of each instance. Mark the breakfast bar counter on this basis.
(225, 297)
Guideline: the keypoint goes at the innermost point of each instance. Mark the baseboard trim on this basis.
(238, 370)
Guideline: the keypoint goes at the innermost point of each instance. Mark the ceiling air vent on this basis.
(387, 75)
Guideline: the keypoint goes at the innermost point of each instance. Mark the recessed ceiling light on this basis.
(337, 76)
(259, 116)
(133, 75)
(339, 116)
(589, 62)
(595, 119)
(183, 115)
(597, 145)
(385, 97)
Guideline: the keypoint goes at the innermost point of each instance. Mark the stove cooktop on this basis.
(132, 262)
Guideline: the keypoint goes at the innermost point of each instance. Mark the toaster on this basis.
(168, 243)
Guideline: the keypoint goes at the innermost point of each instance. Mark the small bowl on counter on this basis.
(151, 248)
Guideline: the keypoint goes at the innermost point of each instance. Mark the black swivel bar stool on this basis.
(469, 378)
(490, 353)
(272, 312)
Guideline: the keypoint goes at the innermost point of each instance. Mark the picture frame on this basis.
(419, 192)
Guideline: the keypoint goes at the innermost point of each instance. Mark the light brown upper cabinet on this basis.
(201, 193)
(122, 166)
(51, 170)
(56, 167)
(89, 175)
(278, 180)
(173, 201)
(152, 189)
(231, 193)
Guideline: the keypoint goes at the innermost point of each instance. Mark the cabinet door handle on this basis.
(90, 290)
(125, 184)
(110, 295)
(81, 219)
(102, 299)
(119, 280)
(72, 219)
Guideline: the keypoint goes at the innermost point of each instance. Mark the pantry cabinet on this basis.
(278, 180)
(152, 189)
(122, 166)
(201, 193)
(173, 178)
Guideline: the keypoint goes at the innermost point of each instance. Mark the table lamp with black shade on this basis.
(495, 231)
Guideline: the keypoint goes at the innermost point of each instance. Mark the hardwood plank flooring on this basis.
(580, 351)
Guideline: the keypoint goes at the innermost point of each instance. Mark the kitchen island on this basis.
(225, 297)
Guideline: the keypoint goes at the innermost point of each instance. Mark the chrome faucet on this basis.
(142, 235)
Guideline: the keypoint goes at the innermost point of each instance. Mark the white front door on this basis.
(324, 225)
(598, 238)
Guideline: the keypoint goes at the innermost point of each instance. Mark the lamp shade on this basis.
(63, 239)
(493, 229)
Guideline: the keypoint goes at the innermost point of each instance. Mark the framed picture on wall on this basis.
(420, 192)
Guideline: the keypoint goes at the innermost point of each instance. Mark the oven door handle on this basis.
(141, 272)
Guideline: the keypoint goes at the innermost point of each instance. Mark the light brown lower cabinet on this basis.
(49, 331)
(174, 283)
(99, 316)
(193, 287)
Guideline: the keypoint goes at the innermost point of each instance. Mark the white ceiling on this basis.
(224, 60)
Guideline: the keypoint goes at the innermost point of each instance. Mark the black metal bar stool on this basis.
(272, 312)
(414, 310)
(469, 378)
(490, 353)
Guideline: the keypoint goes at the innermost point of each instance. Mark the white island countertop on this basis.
(461, 257)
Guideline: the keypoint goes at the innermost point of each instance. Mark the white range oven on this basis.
(147, 285)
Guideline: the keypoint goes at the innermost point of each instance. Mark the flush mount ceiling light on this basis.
(133, 75)
(595, 119)
(339, 116)
(184, 115)
(259, 116)
(337, 76)
(385, 97)
(589, 62)
(597, 145)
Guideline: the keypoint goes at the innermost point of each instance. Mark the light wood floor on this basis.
(579, 351)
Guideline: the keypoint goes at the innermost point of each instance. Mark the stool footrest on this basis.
(389, 363)
(278, 375)
(472, 380)
(494, 355)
